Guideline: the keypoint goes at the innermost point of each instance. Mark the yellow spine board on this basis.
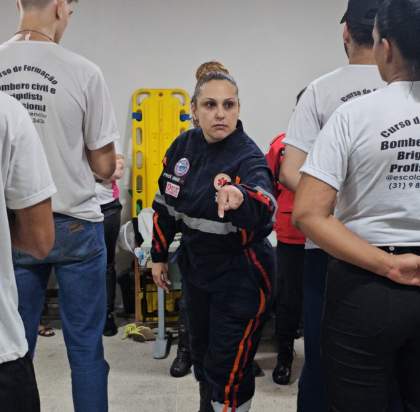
(159, 116)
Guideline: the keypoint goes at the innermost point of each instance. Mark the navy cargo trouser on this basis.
(226, 319)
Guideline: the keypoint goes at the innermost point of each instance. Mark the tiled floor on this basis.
(138, 383)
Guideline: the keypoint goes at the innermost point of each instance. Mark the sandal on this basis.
(45, 331)
(138, 332)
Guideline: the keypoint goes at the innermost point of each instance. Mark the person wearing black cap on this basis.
(322, 97)
(368, 153)
(361, 12)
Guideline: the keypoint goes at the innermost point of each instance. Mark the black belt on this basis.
(400, 250)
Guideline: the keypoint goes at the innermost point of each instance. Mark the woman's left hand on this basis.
(405, 269)
(228, 198)
(160, 275)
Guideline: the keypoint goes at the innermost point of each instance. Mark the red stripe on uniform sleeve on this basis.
(157, 245)
(159, 231)
(259, 197)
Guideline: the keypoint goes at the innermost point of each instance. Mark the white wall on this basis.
(272, 47)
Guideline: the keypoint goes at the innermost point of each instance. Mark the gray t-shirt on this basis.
(70, 105)
(369, 151)
(322, 97)
(25, 181)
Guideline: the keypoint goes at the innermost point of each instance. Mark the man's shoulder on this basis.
(370, 72)
(329, 77)
(78, 61)
(55, 54)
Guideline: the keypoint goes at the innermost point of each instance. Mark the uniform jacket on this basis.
(186, 201)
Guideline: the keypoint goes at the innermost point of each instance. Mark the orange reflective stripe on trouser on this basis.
(236, 365)
(260, 267)
(253, 258)
(244, 236)
(236, 370)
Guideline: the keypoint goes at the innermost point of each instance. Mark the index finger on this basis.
(222, 197)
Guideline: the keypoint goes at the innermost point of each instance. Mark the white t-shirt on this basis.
(25, 181)
(71, 108)
(369, 151)
(105, 193)
(322, 97)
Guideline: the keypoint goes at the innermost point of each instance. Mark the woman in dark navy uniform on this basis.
(181, 365)
(216, 189)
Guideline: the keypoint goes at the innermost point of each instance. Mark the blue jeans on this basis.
(79, 261)
(312, 392)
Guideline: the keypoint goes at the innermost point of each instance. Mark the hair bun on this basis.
(208, 67)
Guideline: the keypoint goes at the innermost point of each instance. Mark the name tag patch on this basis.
(172, 190)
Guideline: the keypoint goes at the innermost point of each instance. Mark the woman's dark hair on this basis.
(399, 20)
(207, 76)
(361, 33)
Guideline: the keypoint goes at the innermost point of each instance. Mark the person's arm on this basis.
(164, 229)
(99, 127)
(118, 172)
(102, 161)
(119, 168)
(313, 215)
(290, 174)
(32, 229)
(249, 203)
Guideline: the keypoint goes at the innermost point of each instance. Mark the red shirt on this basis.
(286, 232)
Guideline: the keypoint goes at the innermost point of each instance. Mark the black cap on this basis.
(362, 11)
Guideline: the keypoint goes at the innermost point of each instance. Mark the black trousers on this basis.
(289, 294)
(183, 330)
(18, 388)
(311, 395)
(370, 337)
(112, 220)
(225, 322)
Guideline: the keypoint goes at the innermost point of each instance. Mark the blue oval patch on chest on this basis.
(182, 167)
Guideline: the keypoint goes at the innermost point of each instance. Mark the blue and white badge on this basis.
(182, 167)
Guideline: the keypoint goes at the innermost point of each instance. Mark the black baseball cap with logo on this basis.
(362, 11)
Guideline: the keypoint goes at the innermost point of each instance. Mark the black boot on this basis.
(283, 370)
(181, 365)
(110, 328)
(205, 397)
